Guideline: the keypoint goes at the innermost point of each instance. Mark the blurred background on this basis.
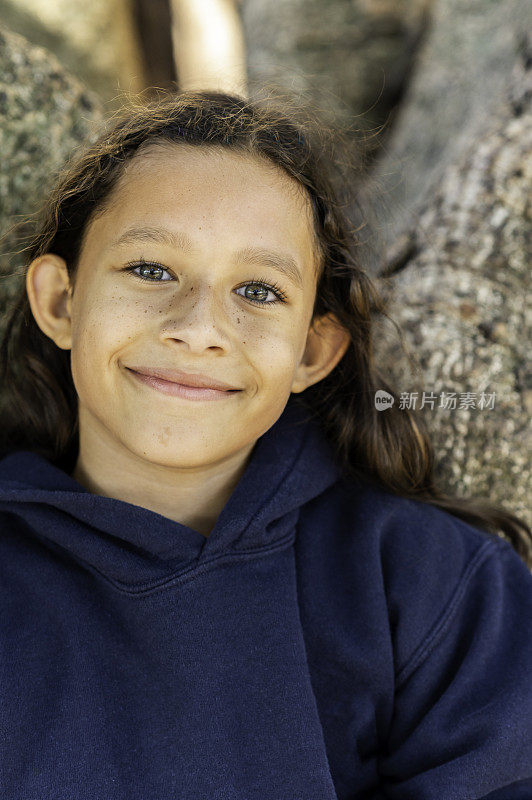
(360, 52)
(431, 100)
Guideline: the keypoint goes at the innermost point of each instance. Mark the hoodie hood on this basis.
(291, 464)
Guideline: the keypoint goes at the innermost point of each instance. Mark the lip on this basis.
(180, 390)
(191, 379)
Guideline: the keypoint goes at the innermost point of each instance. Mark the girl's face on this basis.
(191, 214)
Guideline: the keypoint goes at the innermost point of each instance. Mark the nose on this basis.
(198, 318)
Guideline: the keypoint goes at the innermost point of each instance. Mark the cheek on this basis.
(105, 319)
(99, 329)
(273, 348)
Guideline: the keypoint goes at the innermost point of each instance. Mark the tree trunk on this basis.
(457, 230)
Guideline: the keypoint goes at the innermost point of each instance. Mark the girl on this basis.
(223, 573)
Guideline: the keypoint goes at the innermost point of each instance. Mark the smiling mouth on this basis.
(181, 390)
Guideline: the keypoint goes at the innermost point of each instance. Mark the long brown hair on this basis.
(393, 450)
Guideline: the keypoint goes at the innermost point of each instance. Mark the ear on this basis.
(49, 294)
(327, 342)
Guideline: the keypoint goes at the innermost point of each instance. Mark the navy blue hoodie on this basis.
(327, 640)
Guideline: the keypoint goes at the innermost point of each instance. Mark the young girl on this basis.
(224, 574)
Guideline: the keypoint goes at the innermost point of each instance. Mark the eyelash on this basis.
(273, 287)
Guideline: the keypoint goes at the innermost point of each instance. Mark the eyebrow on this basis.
(282, 262)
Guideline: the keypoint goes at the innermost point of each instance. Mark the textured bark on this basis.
(44, 115)
(462, 75)
(459, 295)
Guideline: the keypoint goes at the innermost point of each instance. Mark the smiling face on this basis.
(163, 281)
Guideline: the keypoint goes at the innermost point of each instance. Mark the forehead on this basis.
(220, 192)
(222, 164)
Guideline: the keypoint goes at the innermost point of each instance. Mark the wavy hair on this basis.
(392, 450)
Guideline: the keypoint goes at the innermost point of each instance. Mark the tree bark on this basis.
(44, 115)
(456, 258)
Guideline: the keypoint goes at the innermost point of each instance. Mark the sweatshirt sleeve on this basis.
(462, 721)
